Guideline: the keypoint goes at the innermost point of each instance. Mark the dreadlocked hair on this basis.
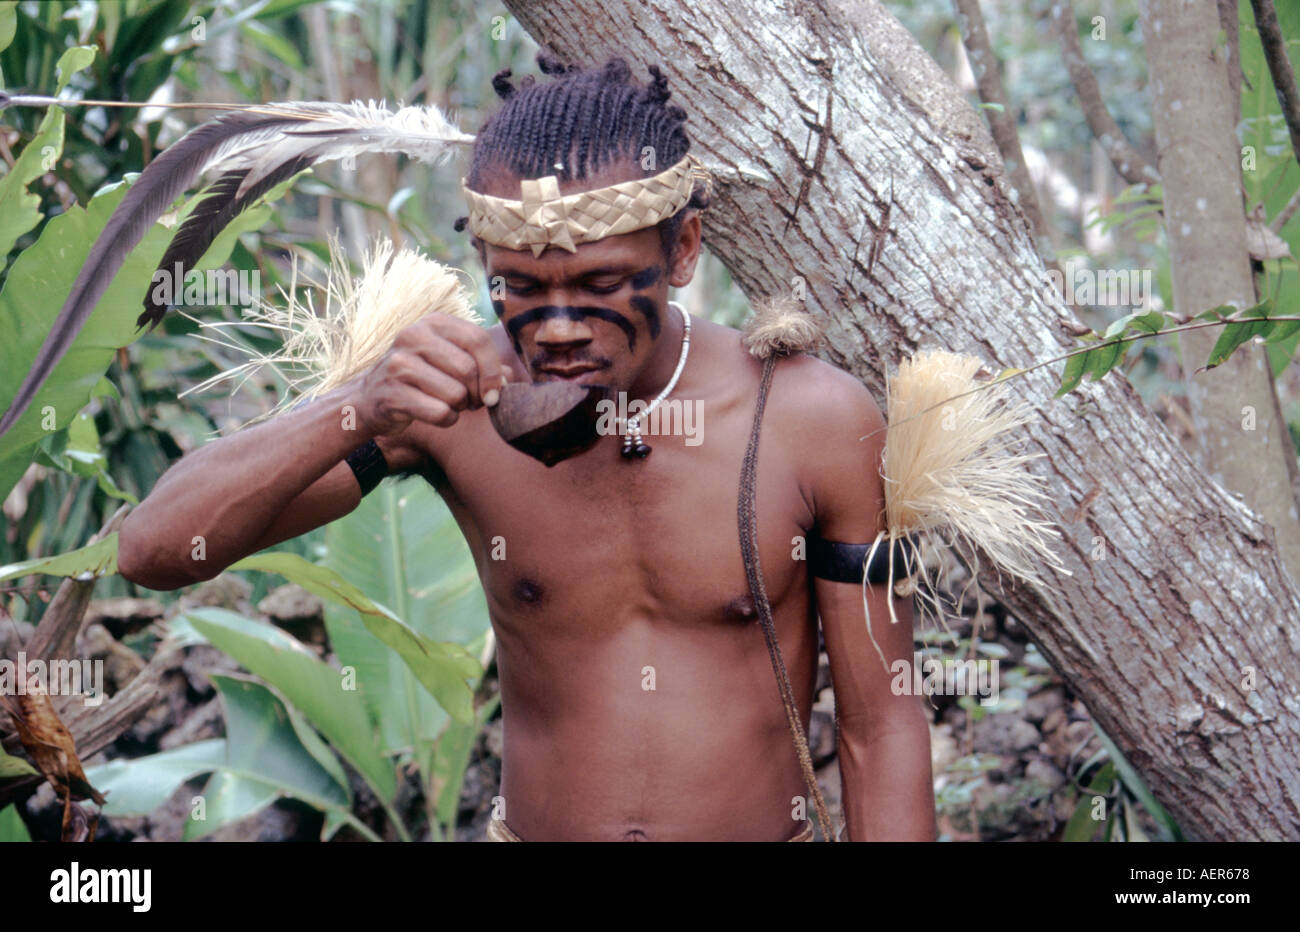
(583, 120)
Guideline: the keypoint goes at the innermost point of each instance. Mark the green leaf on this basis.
(1235, 334)
(1103, 359)
(1082, 826)
(441, 668)
(137, 787)
(8, 22)
(315, 688)
(11, 766)
(82, 457)
(450, 760)
(401, 545)
(273, 43)
(105, 388)
(1075, 367)
(20, 210)
(11, 825)
(1150, 322)
(1216, 313)
(1132, 830)
(97, 559)
(1133, 783)
(72, 61)
(48, 269)
(265, 759)
(1282, 330)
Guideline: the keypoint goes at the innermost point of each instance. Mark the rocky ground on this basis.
(1000, 773)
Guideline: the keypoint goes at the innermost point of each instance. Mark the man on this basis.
(638, 701)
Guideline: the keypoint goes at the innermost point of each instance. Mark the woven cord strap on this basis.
(749, 551)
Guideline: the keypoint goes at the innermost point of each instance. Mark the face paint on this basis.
(551, 311)
(649, 310)
(641, 281)
(645, 278)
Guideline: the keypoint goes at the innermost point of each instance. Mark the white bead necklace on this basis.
(633, 445)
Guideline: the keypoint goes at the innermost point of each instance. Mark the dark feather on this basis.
(208, 219)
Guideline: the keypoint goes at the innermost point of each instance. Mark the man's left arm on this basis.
(884, 739)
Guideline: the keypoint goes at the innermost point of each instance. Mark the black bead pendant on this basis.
(634, 446)
(635, 449)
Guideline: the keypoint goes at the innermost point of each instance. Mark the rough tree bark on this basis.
(1244, 440)
(1176, 585)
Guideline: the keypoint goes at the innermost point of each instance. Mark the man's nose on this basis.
(561, 330)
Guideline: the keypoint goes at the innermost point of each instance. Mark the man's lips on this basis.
(568, 372)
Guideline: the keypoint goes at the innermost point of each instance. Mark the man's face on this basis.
(594, 316)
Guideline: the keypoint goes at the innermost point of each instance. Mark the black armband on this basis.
(368, 465)
(830, 559)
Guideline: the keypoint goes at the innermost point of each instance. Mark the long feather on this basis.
(264, 142)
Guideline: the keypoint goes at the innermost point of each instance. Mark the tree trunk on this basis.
(1176, 585)
(1244, 440)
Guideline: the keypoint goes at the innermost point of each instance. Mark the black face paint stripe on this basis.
(646, 277)
(550, 311)
(499, 306)
(651, 312)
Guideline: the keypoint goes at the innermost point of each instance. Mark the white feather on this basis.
(331, 131)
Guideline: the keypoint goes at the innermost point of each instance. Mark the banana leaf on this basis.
(403, 549)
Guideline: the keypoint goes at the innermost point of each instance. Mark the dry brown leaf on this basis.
(51, 746)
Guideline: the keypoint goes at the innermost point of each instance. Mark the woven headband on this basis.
(543, 218)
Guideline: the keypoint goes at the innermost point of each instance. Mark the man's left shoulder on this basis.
(812, 398)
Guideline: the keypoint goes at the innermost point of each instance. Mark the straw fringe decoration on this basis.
(947, 468)
(362, 318)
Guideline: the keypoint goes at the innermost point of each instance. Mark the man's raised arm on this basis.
(884, 739)
(259, 486)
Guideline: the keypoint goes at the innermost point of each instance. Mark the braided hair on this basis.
(584, 120)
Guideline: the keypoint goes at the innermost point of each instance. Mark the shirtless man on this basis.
(615, 564)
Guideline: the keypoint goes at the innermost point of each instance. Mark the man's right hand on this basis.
(436, 368)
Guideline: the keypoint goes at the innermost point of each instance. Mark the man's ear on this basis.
(686, 251)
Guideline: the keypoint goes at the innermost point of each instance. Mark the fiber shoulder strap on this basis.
(754, 573)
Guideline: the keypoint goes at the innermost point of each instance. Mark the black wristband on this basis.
(368, 465)
(829, 559)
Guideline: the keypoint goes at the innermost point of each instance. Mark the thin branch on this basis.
(1013, 373)
(1002, 121)
(1286, 213)
(1130, 164)
(1279, 67)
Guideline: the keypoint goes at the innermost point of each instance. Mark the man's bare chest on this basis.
(601, 536)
